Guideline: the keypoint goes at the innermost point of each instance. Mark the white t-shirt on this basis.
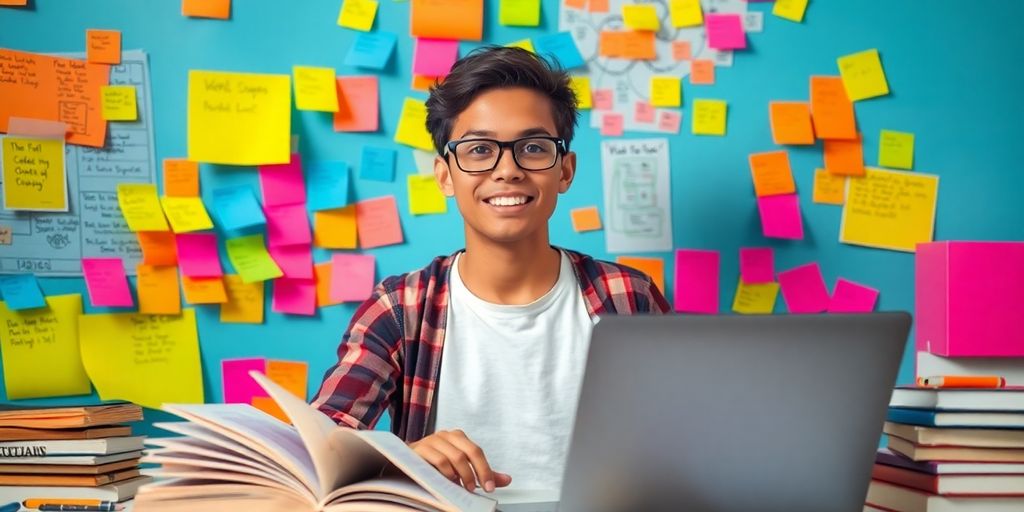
(511, 374)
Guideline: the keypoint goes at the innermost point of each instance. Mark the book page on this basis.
(179, 461)
(194, 431)
(201, 448)
(399, 489)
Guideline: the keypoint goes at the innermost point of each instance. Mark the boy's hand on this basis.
(458, 458)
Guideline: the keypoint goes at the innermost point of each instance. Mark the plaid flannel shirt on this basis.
(390, 357)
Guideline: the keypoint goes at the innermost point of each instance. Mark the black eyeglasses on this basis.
(529, 153)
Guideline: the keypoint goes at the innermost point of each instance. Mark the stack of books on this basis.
(951, 449)
(62, 454)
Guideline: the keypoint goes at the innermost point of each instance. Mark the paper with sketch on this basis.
(637, 198)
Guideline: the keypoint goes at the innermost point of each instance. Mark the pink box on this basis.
(969, 298)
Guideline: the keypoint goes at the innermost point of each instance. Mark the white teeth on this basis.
(507, 201)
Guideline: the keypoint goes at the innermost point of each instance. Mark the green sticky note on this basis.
(251, 260)
(896, 149)
(425, 196)
(519, 13)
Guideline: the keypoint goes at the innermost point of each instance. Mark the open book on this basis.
(236, 457)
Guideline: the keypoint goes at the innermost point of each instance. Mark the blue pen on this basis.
(11, 507)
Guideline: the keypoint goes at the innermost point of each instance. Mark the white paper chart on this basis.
(637, 195)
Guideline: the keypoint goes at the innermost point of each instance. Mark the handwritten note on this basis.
(896, 149)
(358, 15)
(41, 357)
(890, 210)
(653, 267)
(433, 18)
(725, 32)
(862, 75)
(643, 112)
(315, 89)
(290, 375)
(294, 296)
(34, 174)
(186, 214)
(251, 260)
(245, 301)
(696, 283)
(791, 123)
(352, 277)
(425, 196)
(603, 99)
(103, 46)
(238, 386)
(666, 91)
(412, 125)
(158, 248)
(295, 261)
(559, 48)
(236, 208)
(519, 13)
(581, 88)
(197, 254)
(755, 299)
(829, 188)
(133, 357)
(831, 109)
(181, 177)
(772, 173)
(377, 164)
(850, 297)
(757, 265)
(803, 289)
(845, 157)
(335, 229)
(204, 290)
(669, 121)
(358, 104)
(214, 9)
(371, 50)
(377, 222)
(283, 184)
(612, 124)
(585, 219)
(630, 45)
(158, 290)
(780, 217)
(640, 16)
(792, 10)
(685, 13)
(709, 117)
(702, 72)
(682, 50)
(238, 118)
(119, 103)
(106, 282)
(21, 291)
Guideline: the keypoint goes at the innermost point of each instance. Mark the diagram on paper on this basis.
(637, 198)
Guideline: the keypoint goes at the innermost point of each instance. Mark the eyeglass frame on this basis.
(560, 147)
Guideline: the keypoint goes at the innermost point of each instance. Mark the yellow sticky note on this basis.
(581, 87)
(896, 149)
(358, 14)
(204, 290)
(335, 229)
(755, 299)
(685, 13)
(34, 174)
(315, 88)
(666, 91)
(118, 103)
(412, 125)
(889, 210)
(709, 117)
(245, 301)
(239, 118)
(186, 214)
(146, 359)
(158, 290)
(526, 44)
(829, 188)
(40, 350)
(792, 10)
(519, 13)
(141, 207)
(425, 196)
(863, 75)
(640, 16)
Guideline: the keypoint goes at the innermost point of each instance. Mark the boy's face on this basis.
(506, 115)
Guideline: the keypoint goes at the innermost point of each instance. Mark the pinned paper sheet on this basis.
(133, 357)
(709, 117)
(725, 32)
(315, 89)
(581, 88)
(377, 164)
(371, 50)
(181, 177)
(158, 290)
(425, 196)
(237, 208)
(40, 350)
(844, 157)
(640, 16)
(831, 109)
(862, 75)
(412, 125)
(755, 299)
(791, 122)
(238, 118)
(560, 47)
(21, 291)
(612, 124)
(448, 19)
(186, 214)
(103, 46)
(829, 188)
(295, 261)
(215, 9)
(119, 103)
(328, 185)
(585, 219)
(772, 173)
(294, 296)
(803, 289)
(358, 104)
(288, 225)
(335, 229)
(352, 277)
(890, 210)
(519, 13)
(34, 175)
(358, 15)
(627, 45)
(666, 91)
(197, 255)
(245, 301)
(757, 265)
(702, 72)
(106, 282)
(434, 57)
(653, 267)
(780, 217)
(377, 222)
(685, 13)
(696, 283)
(283, 183)
(850, 297)
(238, 386)
(158, 248)
(322, 276)
(792, 10)
(251, 260)
(204, 290)
(896, 149)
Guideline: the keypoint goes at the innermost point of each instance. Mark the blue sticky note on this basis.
(371, 50)
(560, 48)
(237, 208)
(327, 185)
(21, 291)
(377, 164)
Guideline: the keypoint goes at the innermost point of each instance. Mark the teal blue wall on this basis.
(953, 70)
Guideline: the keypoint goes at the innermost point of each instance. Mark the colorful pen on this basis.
(10, 507)
(962, 381)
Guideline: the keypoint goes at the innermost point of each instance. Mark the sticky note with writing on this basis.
(103, 46)
(295, 261)
(434, 57)
(197, 254)
(315, 89)
(519, 13)
(725, 32)
(669, 121)
(803, 289)
(158, 290)
(890, 210)
(237, 208)
(585, 219)
(335, 229)
(412, 125)
(358, 104)
(831, 109)
(653, 267)
(214, 9)
(845, 157)
(371, 50)
(352, 277)
(666, 91)
(158, 248)
(107, 283)
(294, 296)
(643, 112)
(186, 214)
(829, 188)
(850, 297)
(709, 117)
(377, 222)
(559, 47)
(288, 225)
(357, 14)
(41, 350)
(896, 149)
(612, 124)
(862, 75)
(702, 72)
(141, 207)
(425, 196)
(757, 265)
(238, 386)
(438, 18)
(34, 175)
(772, 173)
(780, 216)
(682, 50)
(791, 122)
(604, 99)
(581, 88)
(640, 16)
(245, 301)
(696, 283)
(181, 177)
(328, 185)
(377, 164)
(119, 103)
(204, 290)
(755, 299)
(685, 13)
(21, 291)
(249, 256)
(283, 183)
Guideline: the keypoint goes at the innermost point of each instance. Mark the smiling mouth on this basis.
(509, 201)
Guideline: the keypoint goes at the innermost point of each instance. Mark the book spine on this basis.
(23, 451)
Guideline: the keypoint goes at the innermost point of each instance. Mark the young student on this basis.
(479, 356)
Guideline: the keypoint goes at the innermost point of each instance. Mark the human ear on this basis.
(568, 172)
(443, 176)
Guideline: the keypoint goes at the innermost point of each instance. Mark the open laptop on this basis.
(729, 414)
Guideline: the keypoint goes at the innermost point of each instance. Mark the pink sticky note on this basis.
(696, 286)
(612, 124)
(106, 282)
(358, 104)
(643, 113)
(434, 57)
(351, 277)
(725, 31)
(850, 297)
(780, 216)
(377, 222)
(295, 261)
(602, 99)
(669, 121)
(288, 225)
(238, 386)
(803, 289)
(197, 254)
(757, 265)
(283, 183)
(294, 296)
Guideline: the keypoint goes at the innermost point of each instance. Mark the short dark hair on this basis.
(492, 67)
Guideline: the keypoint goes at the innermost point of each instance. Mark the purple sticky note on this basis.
(850, 297)
(780, 216)
(106, 282)
(803, 289)
(294, 296)
(283, 183)
(434, 57)
(287, 225)
(757, 265)
(197, 254)
(239, 387)
(696, 286)
(295, 261)
(351, 277)
(725, 31)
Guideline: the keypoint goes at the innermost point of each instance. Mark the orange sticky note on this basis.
(423, 83)
(358, 104)
(204, 290)
(290, 375)
(158, 290)
(681, 50)
(158, 247)
(322, 274)
(627, 45)
(436, 19)
(829, 188)
(377, 222)
(245, 301)
(653, 267)
(13, 2)
(335, 229)
(598, 6)
(103, 46)
(831, 109)
(702, 72)
(845, 157)
(772, 173)
(576, 4)
(791, 122)
(181, 177)
(585, 219)
(217, 9)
